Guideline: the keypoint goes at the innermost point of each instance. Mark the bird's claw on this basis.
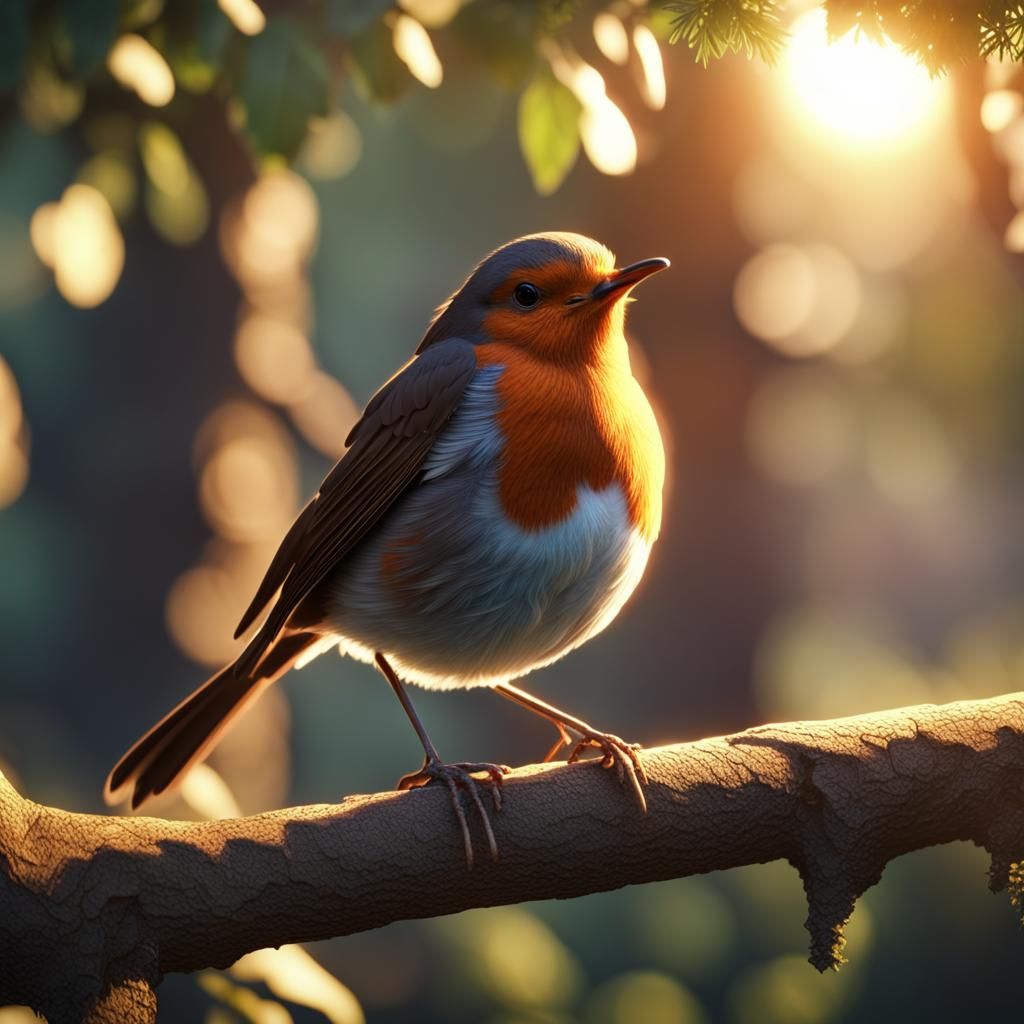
(459, 777)
(616, 752)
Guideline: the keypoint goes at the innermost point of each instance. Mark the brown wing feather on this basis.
(387, 449)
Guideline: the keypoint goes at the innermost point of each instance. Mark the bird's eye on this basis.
(526, 295)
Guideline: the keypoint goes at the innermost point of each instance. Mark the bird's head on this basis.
(557, 294)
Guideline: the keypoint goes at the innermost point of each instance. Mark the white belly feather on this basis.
(457, 595)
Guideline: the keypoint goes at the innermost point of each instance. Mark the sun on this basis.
(861, 92)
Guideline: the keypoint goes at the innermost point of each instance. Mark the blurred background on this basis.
(187, 332)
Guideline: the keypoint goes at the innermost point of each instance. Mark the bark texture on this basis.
(94, 910)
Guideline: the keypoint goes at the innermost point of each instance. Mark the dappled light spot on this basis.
(774, 292)
(112, 176)
(514, 957)
(206, 792)
(244, 1001)
(432, 13)
(1000, 108)
(325, 414)
(13, 470)
(43, 233)
(1014, 237)
(648, 996)
(802, 300)
(605, 132)
(784, 991)
(203, 607)
(247, 489)
(332, 148)
(80, 240)
(13, 439)
(268, 241)
(413, 46)
(611, 37)
(137, 65)
(685, 926)
(245, 15)
(653, 82)
(291, 973)
(274, 359)
(11, 416)
(47, 101)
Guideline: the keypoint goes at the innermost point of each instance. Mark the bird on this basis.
(495, 507)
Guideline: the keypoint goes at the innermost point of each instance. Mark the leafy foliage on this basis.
(712, 28)
(297, 67)
(938, 33)
(549, 134)
(284, 84)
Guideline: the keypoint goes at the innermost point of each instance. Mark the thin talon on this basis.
(474, 792)
(467, 839)
(624, 756)
(458, 777)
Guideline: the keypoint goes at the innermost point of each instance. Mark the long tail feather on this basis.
(189, 732)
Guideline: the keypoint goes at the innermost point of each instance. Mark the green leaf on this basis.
(502, 36)
(549, 133)
(91, 26)
(214, 30)
(13, 41)
(378, 69)
(350, 18)
(284, 84)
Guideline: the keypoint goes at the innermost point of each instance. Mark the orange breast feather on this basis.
(566, 425)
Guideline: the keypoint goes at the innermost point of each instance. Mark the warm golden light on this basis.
(611, 37)
(247, 489)
(413, 46)
(206, 792)
(859, 91)
(1000, 108)
(245, 15)
(332, 148)
(138, 65)
(274, 358)
(649, 52)
(80, 240)
(325, 414)
(607, 136)
(802, 300)
(432, 13)
(292, 974)
(13, 471)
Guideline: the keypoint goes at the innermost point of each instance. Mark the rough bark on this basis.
(95, 910)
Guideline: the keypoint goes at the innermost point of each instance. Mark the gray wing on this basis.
(387, 448)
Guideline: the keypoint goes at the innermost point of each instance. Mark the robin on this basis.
(495, 508)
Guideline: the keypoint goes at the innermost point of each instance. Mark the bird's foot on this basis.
(460, 778)
(616, 752)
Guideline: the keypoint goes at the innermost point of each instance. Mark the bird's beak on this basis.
(622, 281)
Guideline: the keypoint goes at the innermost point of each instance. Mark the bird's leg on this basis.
(454, 776)
(614, 751)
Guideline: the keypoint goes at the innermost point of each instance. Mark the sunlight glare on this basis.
(861, 92)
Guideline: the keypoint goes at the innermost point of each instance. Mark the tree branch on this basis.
(95, 910)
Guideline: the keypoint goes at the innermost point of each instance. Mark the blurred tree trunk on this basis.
(95, 910)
